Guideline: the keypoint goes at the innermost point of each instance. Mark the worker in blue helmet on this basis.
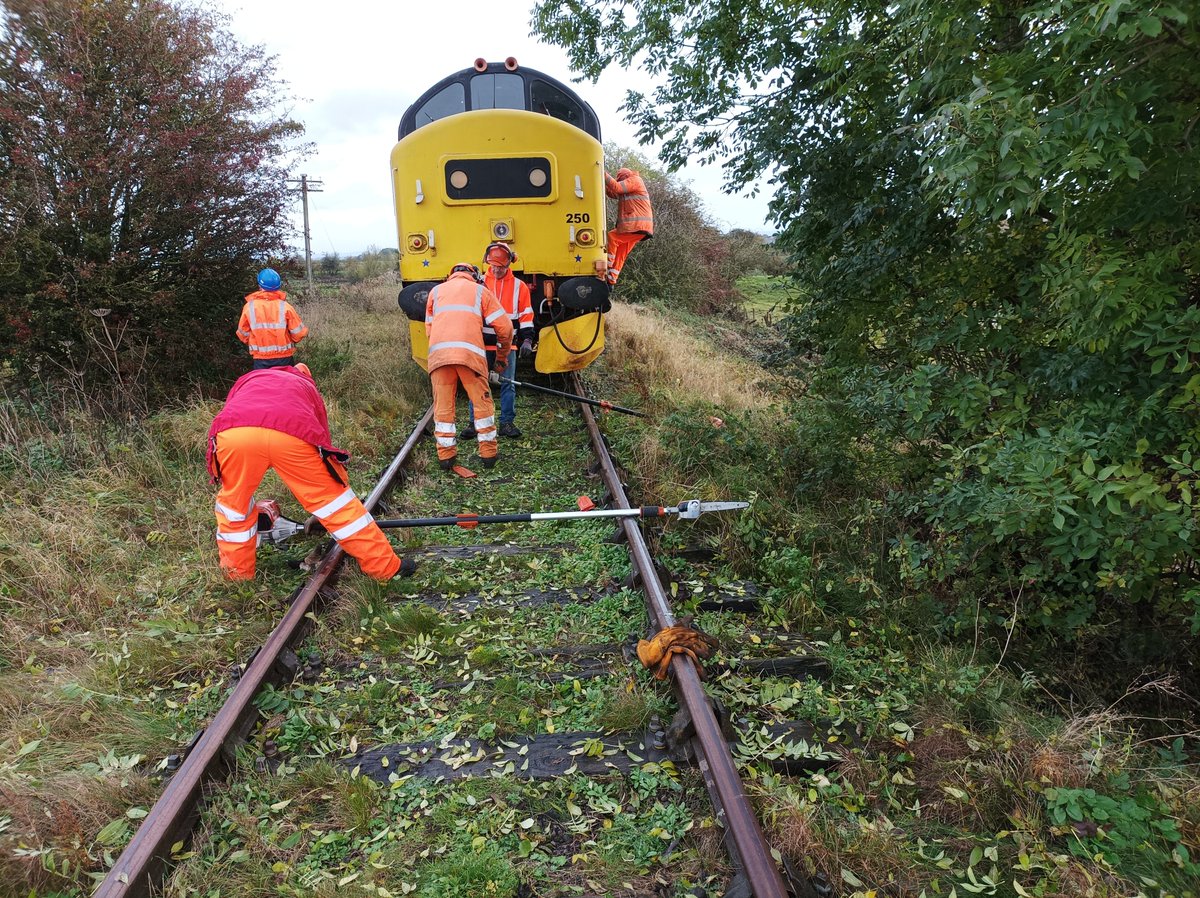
(270, 327)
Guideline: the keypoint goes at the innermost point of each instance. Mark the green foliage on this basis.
(469, 874)
(1133, 833)
(989, 208)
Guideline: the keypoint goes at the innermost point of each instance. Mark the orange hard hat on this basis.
(499, 253)
(467, 268)
(303, 369)
(623, 173)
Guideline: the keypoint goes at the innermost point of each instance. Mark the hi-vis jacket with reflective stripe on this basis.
(455, 314)
(270, 327)
(513, 294)
(633, 203)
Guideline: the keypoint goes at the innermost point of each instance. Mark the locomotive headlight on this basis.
(585, 237)
(417, 243)
(537, 177)
(458, 179)
(502, 229)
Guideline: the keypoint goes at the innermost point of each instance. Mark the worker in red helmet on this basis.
(457, 311)
(276, 418)
(635, 221)
(513, 294)
(269, 326)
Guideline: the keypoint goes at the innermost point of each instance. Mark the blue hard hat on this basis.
(268, 279)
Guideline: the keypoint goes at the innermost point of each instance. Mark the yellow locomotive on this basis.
(501, 153)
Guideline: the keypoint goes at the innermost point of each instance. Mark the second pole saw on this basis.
(599, 403)
(283, 529)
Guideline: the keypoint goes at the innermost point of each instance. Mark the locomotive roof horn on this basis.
(511, 63)
(481, 64)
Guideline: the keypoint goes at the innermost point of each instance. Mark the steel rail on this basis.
(144, 861)
(744, 835)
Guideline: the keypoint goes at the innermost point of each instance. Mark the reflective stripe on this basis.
(488, 437)
(295, 330)
(243, 537)
(271, 327)
(444, 427)
(275, 346)
(446, 442)
(340, 502)
(250, 312)
(457, 344)
(499, 313)
(353, 527)
(474, 310)
(484, 423)
(234, 515)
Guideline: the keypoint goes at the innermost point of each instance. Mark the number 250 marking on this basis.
(578, 218)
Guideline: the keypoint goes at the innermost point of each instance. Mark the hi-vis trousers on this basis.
(244, 454)
(445, 382)
(619, 246)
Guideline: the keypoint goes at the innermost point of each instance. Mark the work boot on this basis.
(510, 430)
(447, 463)
(469, 434)
(408, 567)
(489, 463)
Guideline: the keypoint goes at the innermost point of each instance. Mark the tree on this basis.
(141, 164)
(331, 264)
(991, 208)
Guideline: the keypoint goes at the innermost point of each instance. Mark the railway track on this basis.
(492, 706)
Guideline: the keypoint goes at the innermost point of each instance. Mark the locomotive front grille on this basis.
(495, 179)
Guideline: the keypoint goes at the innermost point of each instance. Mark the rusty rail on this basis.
(144, 861)
(744, 837)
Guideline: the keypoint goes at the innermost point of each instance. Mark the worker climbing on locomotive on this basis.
(456, 312)
(513, 295)
(269, 326)
(635, 221)
(276, 418)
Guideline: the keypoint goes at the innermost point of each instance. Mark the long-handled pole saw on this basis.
(599, 403)
(284, 529)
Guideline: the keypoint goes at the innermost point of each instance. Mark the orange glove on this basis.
(656, 653)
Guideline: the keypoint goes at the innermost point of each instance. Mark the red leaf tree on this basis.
(142, 167)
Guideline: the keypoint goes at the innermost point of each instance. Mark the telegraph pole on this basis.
(307, 186)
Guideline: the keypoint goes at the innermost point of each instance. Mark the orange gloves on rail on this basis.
(656, 653)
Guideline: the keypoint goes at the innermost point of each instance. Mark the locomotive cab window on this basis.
(450, 100)
(549, 100)
(498, 91)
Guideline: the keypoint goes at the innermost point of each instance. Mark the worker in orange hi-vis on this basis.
(455, 314)
(269, 326)
(276, 418)
(635, 221)
(513, 295)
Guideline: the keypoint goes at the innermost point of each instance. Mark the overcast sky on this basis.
(355, 66)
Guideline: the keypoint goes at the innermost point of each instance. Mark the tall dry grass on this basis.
(675, 363)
